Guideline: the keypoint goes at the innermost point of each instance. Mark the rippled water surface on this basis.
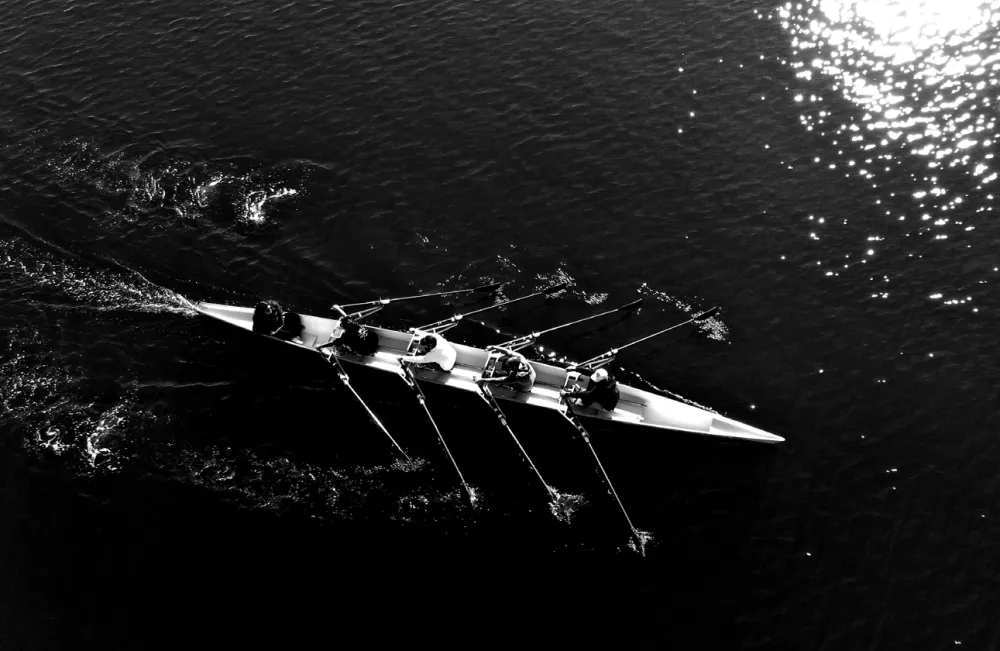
(821, 170)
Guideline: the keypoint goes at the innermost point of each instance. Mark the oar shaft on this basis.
(521, 342)
(386, 301)
(622, 308)
(491, 401)
(502, 303)
(374, 418)
(346, 381)
(585, 435)
(458, 317)
(609, 355)
(696, 317)
(465, 484)
(411, 381)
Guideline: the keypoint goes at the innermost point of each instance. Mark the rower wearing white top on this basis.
(437, 353)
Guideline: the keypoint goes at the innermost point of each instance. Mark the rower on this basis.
(602, 389)
(512, 370)
(433, 351)
(267, 318)
(353, 336)
(270, 319)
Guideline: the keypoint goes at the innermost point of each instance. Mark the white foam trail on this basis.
(712, 327)
(91, 289)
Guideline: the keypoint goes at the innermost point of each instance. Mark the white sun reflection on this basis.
(922, 84)
(925, 73)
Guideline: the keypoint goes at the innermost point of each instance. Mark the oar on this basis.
(411, 381)
(346, 381)
(485, 394)
(610, 355)
(458, 317)
(521, 342)
(386, 301)
(571, 416)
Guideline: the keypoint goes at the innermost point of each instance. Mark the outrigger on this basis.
(552, 383)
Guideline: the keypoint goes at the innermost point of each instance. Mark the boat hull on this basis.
(635, 407)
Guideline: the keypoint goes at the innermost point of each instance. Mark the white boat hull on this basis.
(636, 407)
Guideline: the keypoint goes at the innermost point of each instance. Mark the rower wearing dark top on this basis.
(353, 337)
(603, 389)
(512, 371)
(358, 338)
(270, 319)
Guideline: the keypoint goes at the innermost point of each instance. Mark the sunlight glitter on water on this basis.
(922, 76)
(923, 71)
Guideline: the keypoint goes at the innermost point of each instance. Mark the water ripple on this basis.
(922, 78)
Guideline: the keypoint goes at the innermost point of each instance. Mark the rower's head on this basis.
(512, 364)
(428, 342)
(600, 375)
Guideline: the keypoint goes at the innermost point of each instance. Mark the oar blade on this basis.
(556, 288)
(487, 288)
(706, 314)
(630, 307)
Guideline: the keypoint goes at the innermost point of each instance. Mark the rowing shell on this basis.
(635, 407)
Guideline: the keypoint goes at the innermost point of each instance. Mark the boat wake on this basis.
(45, 394)
(47, 278)
(162, 184)
(62, 413)
(59, 417)
(281, 485)
(45, 400)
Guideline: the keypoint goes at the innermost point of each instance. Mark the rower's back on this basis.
(361, 340)
(602, 389)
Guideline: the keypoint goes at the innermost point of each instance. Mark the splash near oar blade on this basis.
(562, 506)
(521, 342)
(640, 538)
(604, 358)
(411, 381)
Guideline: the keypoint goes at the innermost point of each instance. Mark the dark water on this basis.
(822, 170)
